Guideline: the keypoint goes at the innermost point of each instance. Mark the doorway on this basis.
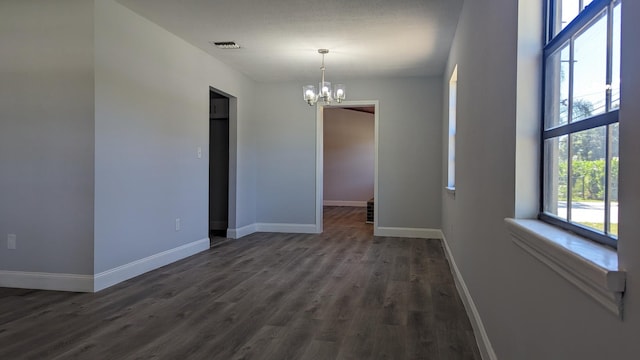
(218, 164)
(370, 106)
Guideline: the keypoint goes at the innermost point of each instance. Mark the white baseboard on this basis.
(272, 227)
(408, 232)
(286, 228)
(119, 274)
(344, 203)
(46, 281)
(484, 345)
(241, 232)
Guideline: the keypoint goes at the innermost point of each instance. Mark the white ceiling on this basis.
(280, 38)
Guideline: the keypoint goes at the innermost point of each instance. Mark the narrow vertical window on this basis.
(580, 127)
(451, 169)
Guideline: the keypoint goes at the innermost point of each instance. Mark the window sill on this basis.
(450, 190)
(591, 267)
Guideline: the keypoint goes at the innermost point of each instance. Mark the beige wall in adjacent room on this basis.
(348, 155)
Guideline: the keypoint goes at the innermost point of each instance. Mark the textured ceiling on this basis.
(280, 38)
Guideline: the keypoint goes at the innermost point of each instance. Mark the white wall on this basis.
(102, 113)
(46, 135)
(528, 310)
(409, 151)
(349, 150)
(152, 105)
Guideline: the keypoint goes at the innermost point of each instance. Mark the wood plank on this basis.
(418, 256)
(421, 341)
(419, 296)
(377, 284)
(400, 269)
(183, 338)
(390, 343)
(450, 323)
(294, 342)
(438, 271)
(361, 337)
(255, 347)
(396, 303)
(321, 350)
(434, 248)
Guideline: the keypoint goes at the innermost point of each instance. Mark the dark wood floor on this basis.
(343, 294)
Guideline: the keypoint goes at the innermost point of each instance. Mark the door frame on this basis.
(320, 158)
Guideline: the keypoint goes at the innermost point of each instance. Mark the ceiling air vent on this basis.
(225, 44)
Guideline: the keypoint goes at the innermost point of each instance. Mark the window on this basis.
(580, 127)
(451, 163)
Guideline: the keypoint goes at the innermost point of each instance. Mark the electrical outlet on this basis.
(11, 241)
(178, 225)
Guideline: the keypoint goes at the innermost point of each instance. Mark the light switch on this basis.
(199, 152)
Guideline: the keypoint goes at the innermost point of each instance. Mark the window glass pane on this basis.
(567, 10)
(557, 89)
(615, 71)
(555, 176)
(451, 171)
(588, 177)
(590, 71)
(452, 161)
(613, 181)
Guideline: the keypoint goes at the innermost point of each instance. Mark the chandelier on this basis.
(324, 90)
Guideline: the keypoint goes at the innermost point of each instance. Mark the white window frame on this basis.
(557, 41)
(451, 154)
